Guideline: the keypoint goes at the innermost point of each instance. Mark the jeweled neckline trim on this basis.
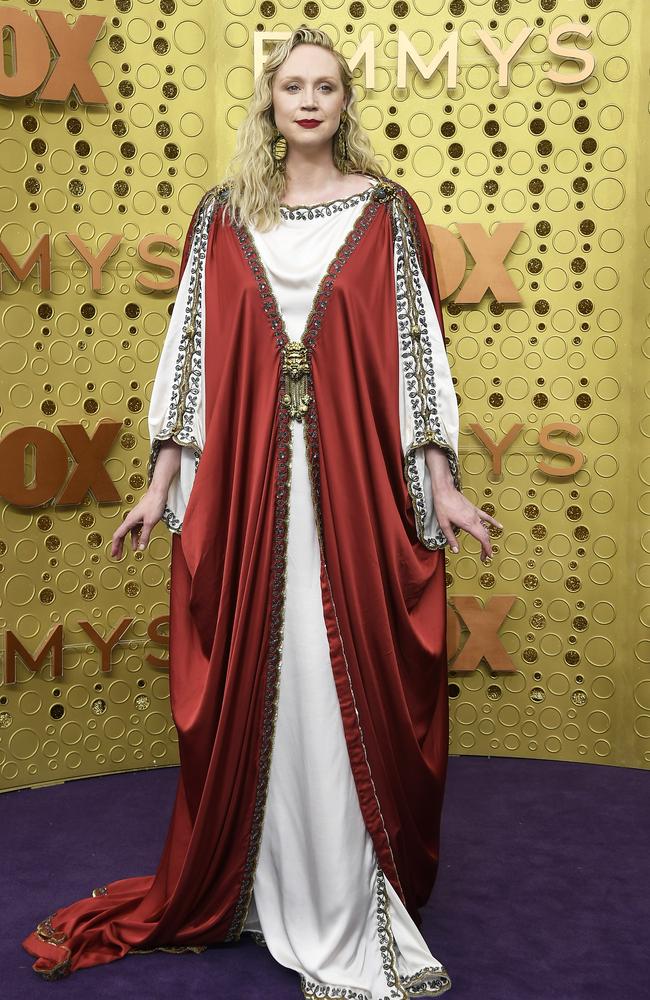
(324, 207)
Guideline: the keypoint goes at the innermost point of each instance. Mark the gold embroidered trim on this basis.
(323, 209)
(278, 590)
(46, 932)
(196, 948)
(418, 366)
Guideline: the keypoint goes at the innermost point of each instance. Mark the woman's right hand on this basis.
(140, 521)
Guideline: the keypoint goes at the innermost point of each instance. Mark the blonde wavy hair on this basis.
(255, 186)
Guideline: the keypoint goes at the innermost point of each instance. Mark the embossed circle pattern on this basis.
(558, 635)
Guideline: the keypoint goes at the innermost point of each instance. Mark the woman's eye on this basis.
(295, 85)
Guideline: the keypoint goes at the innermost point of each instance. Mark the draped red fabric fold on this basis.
(383, 597)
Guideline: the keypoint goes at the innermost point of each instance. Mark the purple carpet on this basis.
(542, 892)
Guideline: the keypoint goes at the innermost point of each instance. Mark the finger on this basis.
(126, 525)
(488, 517)
(120, 532)
(451, 538)
(118, 535)
(448, 532)
(135, 533)
(480, 532)
(144, 536)
(486, 546)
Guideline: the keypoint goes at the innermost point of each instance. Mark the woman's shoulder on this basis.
(213, 197)
(205, 211)
(386, 189)
(220, 192)
(401, 196)
(399, 201)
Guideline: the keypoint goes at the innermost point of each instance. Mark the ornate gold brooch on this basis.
(295, 368)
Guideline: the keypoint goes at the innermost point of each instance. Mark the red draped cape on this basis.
(383, 597)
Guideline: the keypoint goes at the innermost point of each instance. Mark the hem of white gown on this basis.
(422, 984)
(427, 981)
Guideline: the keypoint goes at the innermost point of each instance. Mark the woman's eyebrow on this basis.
(293, 76)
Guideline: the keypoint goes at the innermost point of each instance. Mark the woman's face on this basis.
(308, 86)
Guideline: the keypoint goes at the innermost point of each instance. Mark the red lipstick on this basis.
(308, 122)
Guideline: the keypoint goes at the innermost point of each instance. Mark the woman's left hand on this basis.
(452, 508)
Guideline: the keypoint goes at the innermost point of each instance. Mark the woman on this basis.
(304, 455)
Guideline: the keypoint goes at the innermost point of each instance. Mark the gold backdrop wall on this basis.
(532, 190)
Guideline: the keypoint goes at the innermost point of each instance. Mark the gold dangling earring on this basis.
(341, 143)
(278, 149)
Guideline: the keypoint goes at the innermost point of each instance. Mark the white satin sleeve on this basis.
(177, 405)
(428, 408)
